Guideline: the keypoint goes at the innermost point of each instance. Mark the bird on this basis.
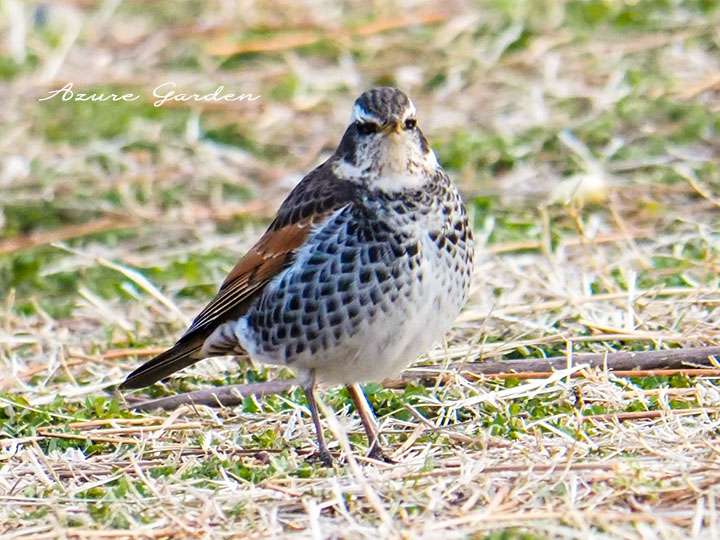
(367, 263)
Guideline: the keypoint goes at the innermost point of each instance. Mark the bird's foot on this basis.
(377, 453)
(324, 457)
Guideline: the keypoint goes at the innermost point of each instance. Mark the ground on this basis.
(585, 137)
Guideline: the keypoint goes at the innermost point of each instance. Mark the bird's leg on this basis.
(323, 452)
(367, 417)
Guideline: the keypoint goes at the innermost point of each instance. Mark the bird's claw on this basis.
(377, 453)
(324, 457)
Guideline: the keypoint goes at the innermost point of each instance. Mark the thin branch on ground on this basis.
(221, 396)
(614, 361)
(620, 363)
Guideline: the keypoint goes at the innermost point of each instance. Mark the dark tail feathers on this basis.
(183, 354)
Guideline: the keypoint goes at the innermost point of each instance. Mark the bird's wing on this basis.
(273, 253)
(311, 202)
(317, 196)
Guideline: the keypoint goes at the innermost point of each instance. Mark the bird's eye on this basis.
(410, 123)
(366, 128)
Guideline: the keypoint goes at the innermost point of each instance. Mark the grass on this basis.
(583, 134)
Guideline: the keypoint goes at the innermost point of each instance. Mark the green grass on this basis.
(79, 122)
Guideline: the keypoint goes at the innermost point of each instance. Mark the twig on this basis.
(302, 39)
(144, 283)
(165, 532)
(221, 396)
(526, 245)
(451, 468)
(89, 424)
(87, 437)
(641, 295)
(122, 353)
(710, 82)
(644, 415)
(228, 396)
(694, 182)
(692, 372)
(76, 360)
(143, 429)
(615, 361)
(69, 232)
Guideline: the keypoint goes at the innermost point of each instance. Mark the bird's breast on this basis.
(373, 287)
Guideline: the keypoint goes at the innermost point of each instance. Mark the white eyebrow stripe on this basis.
(361, 115)
(410, 109)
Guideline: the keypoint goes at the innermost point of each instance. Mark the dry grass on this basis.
(585, 136)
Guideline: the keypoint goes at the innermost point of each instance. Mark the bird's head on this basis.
(383, 148)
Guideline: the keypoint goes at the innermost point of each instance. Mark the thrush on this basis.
(366, 264)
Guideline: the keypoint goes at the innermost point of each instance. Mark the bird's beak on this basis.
(394, 125)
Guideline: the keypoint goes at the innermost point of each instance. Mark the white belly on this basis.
(388, 344)
(363, 328)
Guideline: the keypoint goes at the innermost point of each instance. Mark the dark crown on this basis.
(382, 104)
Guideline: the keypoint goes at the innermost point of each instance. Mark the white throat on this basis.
(390, 166)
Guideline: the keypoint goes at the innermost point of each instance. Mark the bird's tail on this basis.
(183, 354)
